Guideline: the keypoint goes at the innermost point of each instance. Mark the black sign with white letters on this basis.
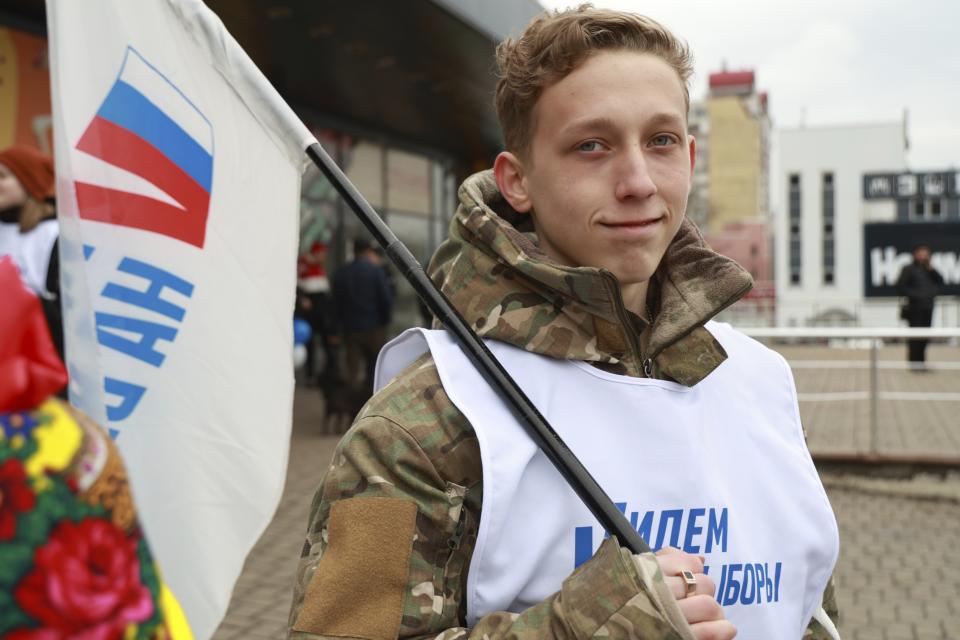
(908, 186)
(888, 247)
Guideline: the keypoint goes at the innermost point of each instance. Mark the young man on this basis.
(438, 516)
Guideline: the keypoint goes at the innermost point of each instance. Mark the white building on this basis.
(819, 256)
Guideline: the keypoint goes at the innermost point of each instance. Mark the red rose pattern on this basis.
(16, 496)
(85, 584)
(34, 634)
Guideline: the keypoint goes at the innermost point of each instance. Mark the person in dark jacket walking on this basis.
(919, 283)
(363, 297)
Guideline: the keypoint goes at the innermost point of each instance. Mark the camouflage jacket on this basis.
(394, 523)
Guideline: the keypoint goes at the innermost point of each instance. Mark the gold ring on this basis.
(690, 581)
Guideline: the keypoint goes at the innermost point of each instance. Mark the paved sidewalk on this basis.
(898, 577)
(261, 599)
(917, 412)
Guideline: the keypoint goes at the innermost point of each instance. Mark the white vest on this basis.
(30, 252)
(720, 469)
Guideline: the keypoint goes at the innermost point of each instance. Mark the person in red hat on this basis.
(29, 229)
(315, 306)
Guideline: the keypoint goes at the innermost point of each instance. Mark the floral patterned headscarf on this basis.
(74, 562)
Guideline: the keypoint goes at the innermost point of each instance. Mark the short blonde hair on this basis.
(555, 44)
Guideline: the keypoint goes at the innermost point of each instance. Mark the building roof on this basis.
(731, 79)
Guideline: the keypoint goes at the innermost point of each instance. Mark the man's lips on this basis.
(632, 224)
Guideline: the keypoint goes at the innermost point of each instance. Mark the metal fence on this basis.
(832, 312)
(859, 398)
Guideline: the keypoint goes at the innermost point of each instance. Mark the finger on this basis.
(705, 585)
(675, 561)
(700, 608)
(714, 630)
(668, 551)
(678, 586)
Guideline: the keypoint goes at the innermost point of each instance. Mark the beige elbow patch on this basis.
(358, 588)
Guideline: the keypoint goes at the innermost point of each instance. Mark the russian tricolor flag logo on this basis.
(147, 159)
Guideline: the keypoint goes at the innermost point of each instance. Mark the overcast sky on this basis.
(832, 61)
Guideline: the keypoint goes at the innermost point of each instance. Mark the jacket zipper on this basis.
(454, 541)
(645, 363)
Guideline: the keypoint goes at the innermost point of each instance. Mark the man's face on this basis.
(610, 164)
(922, 255)
(12, 193)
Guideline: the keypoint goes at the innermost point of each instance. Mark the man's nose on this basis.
(633, 175)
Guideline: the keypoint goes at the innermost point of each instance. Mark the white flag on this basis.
(178, 181)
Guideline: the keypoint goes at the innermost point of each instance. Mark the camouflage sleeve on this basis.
(409, 496)
(815, 630)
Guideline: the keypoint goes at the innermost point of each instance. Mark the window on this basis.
(936, 209)
(918, 209)
(408, 182)
(828, 201)
(794, 238)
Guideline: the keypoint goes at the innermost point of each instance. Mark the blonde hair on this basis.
(555, 44)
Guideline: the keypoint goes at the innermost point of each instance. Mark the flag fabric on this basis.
(178, 177)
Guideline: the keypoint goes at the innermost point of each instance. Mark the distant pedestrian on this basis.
(919, 283)
(363, 297)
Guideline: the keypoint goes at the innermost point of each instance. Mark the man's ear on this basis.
(693, 153)
(511, 180)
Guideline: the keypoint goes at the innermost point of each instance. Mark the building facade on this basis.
(729, 200)
(749, 243)
(833, 234)
(739, 150)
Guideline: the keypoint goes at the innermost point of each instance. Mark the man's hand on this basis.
(701, 610)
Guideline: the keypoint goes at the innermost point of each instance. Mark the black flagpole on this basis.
(535, 424)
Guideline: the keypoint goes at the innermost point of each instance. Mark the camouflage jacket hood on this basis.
(493, 271)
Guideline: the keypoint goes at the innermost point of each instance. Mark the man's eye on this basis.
(589, 146)
(662, 140)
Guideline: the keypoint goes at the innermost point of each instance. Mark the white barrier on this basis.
(849, 332)
(875, 337)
